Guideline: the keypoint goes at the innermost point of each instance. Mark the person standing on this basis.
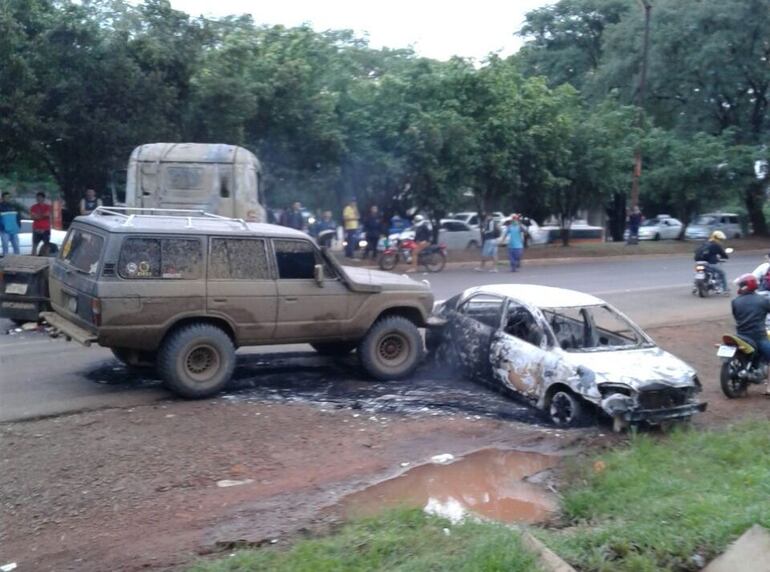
(490, 232)
(325, 229)
(10, 223)
(41, 224)
(515, 236)
(372, 231)
(294, 218)
(89, 203)
(350, 220)
(634, 222)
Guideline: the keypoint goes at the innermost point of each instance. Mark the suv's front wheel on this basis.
(197, 361)
(391, 349)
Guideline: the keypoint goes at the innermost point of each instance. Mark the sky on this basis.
(472, 28)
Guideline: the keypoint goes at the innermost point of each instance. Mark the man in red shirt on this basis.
(41, 224)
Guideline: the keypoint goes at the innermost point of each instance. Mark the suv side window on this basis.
(296, 260)
(238, 259)
(166, 258)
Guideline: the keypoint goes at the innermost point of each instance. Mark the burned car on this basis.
(567, 352)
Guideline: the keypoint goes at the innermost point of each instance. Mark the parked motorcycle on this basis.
(706, 281)
(433, 257)
(741, 365)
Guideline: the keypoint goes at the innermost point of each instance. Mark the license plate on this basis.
(16, 288)
(726, 351)
(699, 275)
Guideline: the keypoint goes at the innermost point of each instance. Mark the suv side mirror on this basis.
(318, 274)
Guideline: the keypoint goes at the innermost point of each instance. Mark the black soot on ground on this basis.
(490, 484)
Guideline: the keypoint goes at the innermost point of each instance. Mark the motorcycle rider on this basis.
(750, 313)
(422, 236)
(762, 276)
(712, 252)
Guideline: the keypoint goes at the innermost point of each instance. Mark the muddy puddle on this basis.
(491, 484)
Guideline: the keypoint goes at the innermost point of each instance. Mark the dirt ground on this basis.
(130, 489)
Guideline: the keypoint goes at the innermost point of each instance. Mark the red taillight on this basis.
(96, 311)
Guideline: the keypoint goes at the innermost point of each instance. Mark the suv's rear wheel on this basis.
(391, 349)
(197, 360)
(334, 348)
(135, 359)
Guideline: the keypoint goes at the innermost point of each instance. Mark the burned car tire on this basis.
(197, 361)
(565, 409)
(731, 387)
(334, 348)
(135, 359)
(392, 348)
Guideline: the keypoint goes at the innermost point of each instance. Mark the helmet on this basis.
(717, 235)
(747, 284)
(418, 219)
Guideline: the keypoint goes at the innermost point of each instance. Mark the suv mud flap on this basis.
(68, 329)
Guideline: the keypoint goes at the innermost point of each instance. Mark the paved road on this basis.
(39, 376)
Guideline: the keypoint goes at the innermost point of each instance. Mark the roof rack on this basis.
(130, 213)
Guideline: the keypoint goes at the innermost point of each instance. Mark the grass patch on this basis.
(656, 503)
(402, 540)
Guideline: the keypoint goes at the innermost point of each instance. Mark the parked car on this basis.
(25, 239)
(567, 352)
(703, 225)
(661, 227)
(453, 234)
(472, 218)
(181, 293)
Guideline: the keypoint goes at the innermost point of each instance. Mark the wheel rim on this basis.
(393, 349)
(202, 363)
(562, 410)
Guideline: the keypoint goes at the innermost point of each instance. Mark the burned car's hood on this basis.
(635, 367)
(377, 280)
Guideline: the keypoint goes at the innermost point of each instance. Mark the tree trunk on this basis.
(755, 198)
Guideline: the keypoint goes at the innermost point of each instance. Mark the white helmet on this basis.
(418, 219)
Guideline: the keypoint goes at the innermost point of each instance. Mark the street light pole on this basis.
(641, 92)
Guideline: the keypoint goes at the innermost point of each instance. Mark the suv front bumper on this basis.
(70, 331)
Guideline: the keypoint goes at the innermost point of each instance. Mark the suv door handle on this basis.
(291, 298)
(220, 299)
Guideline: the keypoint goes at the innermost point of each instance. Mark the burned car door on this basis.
(470, 331)
(521, 352)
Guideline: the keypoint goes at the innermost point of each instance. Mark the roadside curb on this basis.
(546, 557)
(554, 261)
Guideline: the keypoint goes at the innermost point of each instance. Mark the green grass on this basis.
(658, 502)
(403, 540)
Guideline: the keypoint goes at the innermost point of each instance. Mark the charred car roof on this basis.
(538, 296)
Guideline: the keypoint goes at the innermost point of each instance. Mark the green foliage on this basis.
(406, 540)
(656, 503)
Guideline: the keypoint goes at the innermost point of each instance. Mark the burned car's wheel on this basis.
(565, 409)
(392, 349)
(334, 348)
(732, 387)
(197, 361)
(135, 359)
(388, 261)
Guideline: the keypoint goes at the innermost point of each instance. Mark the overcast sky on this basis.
(472, 28)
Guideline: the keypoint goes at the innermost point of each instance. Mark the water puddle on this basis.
(489, 484)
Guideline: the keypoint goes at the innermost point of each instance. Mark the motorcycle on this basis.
(433, 257)
(706, 281)
(741, 365)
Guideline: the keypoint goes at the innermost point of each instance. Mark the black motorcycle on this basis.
(706, 281)
(741, 365)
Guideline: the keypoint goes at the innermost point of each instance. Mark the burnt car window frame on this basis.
(462, 308)
(160, 238)
(545, 328)
(270, 273)
(329, 272)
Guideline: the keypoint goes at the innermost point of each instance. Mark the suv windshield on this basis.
(82, 250)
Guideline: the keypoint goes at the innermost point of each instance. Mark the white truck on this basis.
(216, 178)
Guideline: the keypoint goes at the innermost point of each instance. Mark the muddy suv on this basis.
(182, 290)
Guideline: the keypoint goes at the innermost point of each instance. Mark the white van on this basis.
(216, 178)
(703, 225)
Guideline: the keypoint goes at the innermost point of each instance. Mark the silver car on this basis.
(702, 227)
(568, 353)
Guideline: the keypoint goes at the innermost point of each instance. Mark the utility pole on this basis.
(640, 93)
